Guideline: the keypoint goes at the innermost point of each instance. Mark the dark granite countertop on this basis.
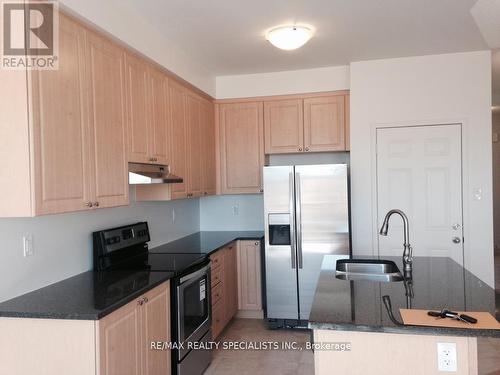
(206, 242)
(437, 283)
(93, 295)
(87, 296)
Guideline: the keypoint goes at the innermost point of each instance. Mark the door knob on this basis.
(456, 240)
(456, 226)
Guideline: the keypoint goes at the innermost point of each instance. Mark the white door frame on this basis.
(465, 175)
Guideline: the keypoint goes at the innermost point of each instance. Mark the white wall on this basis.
(282, 83)
(63, 243)
(125, 24)
(426, 90)
(496, 180)
(216, 213)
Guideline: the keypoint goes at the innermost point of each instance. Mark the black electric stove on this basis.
(126, 248)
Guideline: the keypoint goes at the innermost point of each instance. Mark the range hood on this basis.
(148, 174)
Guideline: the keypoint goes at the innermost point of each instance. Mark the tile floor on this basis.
(256, 362)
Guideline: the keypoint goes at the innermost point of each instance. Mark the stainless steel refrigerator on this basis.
(306, 217)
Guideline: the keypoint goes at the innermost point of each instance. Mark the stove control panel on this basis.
(119, 240)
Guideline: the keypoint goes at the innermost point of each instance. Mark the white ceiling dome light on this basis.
(289, 37)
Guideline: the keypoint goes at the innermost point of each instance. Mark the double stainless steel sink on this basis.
(368, 270)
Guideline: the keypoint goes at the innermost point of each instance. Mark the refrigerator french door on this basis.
(306, 217)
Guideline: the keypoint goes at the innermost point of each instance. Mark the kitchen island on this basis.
(354, 312)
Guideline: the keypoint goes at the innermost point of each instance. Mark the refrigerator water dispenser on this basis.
(279, 229)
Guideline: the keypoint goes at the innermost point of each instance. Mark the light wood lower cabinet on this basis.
(236, 284)
(249, 277)
(118, 344)
(125, 336)
(224, 288)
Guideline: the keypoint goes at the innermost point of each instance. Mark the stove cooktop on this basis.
(172, 262)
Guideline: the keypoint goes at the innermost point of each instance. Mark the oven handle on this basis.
(193, 275)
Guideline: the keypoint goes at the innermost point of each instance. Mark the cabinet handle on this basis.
(307, 148)
(88, 204)
(257, 244)
(140, 302)
(261, 190)
(300, 148)
(96, 204)
(146, 299)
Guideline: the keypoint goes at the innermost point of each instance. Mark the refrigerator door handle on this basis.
(298, 215)
(292, 219)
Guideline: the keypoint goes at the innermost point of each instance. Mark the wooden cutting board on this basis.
(420, 318)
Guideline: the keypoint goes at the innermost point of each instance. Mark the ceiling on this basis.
(227, 37)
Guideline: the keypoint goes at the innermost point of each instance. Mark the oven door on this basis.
(193, 301)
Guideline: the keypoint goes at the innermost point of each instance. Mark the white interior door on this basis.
(419, 170)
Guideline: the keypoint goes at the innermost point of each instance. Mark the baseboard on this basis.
(250, 314)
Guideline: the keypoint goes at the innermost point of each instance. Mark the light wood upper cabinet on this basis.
(249, 276)
(208, 139)
(159, 130)
(60, 134)
(138, 109)
(179, 162)
(66, 130)
(324, 123)
(195, 149)
(147, 112)
(283, 129)
(106, 71)
(241, 147)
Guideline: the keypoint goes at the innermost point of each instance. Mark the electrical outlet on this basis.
(28, 249)
(236, 210)
(447, 356)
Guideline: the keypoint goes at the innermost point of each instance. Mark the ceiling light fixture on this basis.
(289, 37)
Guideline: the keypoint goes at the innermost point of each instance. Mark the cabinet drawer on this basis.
(217, 319)
(217, 276)
(217, 293)
(216, 259)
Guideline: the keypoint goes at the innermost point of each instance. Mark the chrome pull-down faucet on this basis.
(408, 251)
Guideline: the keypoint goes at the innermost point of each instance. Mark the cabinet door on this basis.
(249, 276)
(207, 119)
(159, 124)
(120, 343)
(60, 133)
(241, 147)
(217, 318)
(178, 139)
(324, 123)
(195, 149)
(283, 126)
(230, 283)
(138, 109)
(155, 320)
(347, 122)
(106, 71)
